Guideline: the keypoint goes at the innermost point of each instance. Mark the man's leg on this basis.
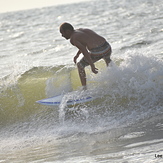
(82, 75)
(107, 58)
(107, 61)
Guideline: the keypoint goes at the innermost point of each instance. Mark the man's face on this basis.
(65, 34)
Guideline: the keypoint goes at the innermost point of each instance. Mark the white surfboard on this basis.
(66, 99)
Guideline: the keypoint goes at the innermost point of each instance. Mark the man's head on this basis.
(66, 30)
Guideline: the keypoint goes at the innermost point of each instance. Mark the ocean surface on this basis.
(123, 125)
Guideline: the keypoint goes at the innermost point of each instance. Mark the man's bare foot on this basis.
(84, 88)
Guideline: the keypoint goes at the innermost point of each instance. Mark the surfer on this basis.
(93, 46)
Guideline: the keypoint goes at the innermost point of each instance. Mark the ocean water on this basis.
(124, 125)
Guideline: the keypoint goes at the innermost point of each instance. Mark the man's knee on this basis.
(80, 66)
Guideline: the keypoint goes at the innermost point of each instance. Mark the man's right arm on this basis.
(77, 55)
(83, 50)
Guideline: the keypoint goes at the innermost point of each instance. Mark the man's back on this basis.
(88, 38)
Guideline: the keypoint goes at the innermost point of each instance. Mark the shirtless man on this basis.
(93, 46)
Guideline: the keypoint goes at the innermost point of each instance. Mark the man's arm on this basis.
(77, 55)
(83, 50)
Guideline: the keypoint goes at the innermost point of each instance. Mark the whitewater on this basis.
(123, 125)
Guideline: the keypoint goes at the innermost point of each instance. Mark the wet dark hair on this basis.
(66, 26)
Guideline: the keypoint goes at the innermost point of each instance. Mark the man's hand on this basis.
(77, 55)
(94, 69)
(75, 58)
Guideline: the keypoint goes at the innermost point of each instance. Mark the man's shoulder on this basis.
(78, 36)
(84, 29)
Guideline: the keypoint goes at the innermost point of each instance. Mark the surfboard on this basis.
(66, 99)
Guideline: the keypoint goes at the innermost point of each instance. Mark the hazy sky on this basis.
(14, 5)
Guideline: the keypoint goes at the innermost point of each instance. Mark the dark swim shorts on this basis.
(101, 52)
